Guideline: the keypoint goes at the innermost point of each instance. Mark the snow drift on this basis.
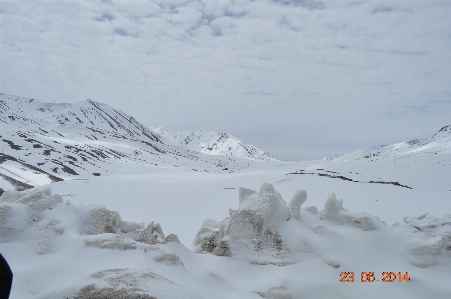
(265, 248)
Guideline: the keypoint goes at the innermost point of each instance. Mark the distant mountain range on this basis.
(439, 143)
(45, 142)
(213, 143)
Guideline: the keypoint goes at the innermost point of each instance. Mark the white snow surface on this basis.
(88, 251)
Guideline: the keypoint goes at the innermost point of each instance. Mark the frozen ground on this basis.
(63, 247)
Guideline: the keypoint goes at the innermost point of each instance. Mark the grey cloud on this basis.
(382, 9)
(303, 3)
(120, 31)
(105, 17)
(276, 74)
(407, 53)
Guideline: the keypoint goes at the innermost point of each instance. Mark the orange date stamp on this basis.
(370, 277)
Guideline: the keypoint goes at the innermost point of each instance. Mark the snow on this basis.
(182, 224)
(5, 185)
(295, 204)
(260, 249)
(44, 142)
(332, 208)
(23, 173)
(213, 143)
(439, 143)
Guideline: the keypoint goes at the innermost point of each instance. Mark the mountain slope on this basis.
(44, 142)
(213, 143)
(439, 143)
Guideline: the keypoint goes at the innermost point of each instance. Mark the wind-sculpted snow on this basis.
(264, 230)
(252, 227)
(36, 209)
(265, 248)
(295, 204)
(42, 220)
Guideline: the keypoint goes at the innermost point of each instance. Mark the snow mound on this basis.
(24, 210)
(36, 201)
(264, 230)
(253, 226)
(263, 227)
(39, 216)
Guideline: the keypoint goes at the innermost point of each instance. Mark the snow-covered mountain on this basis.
(439, 143)
(213, 143)
(45, 142)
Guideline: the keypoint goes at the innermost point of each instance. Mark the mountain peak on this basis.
(213, 143)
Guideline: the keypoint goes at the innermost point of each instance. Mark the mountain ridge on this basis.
(88, 139)
(213, 143)
(439, 143)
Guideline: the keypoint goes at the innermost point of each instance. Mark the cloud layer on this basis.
(297, 78)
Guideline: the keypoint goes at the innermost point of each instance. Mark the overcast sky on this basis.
(297, 78)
